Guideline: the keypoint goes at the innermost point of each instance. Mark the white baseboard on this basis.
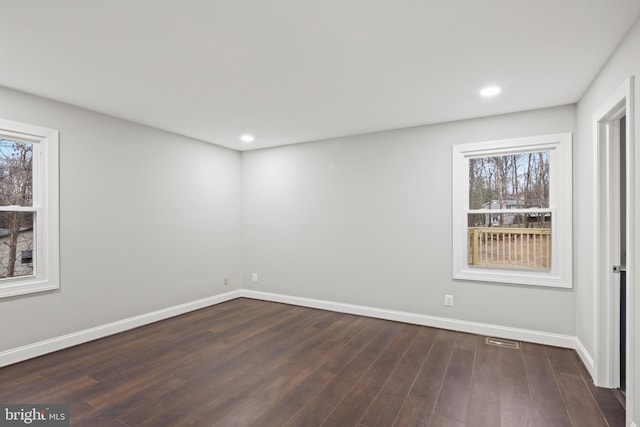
(586, 358)
(546, 338)
(19, 354)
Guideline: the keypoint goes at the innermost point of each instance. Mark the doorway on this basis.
(614, 239)
(621, 240)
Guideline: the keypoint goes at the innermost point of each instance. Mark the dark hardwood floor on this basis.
(255, 363)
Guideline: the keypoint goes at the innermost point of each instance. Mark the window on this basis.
(512, 211)
(28, 209)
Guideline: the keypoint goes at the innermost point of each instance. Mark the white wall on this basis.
(366, 220)
(148, 220)
(623, 63)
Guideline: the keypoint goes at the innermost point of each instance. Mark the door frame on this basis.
(606, 302)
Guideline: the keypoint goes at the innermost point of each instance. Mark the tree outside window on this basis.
(16, 191)
(516, 232)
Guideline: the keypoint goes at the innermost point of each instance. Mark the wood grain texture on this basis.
(256, 363)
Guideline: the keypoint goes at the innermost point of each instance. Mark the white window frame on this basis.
(560, 204)
(46, 275)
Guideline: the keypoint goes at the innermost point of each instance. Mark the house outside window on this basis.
(28, 209)
(512, 211)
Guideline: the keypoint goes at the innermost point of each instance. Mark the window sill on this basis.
(25, 287)
(508, 276)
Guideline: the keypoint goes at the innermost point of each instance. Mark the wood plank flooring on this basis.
(256, 363)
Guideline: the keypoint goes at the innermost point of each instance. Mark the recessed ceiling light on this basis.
(490, 91)
(247, 138)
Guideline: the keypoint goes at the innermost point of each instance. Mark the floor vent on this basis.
(499, 342)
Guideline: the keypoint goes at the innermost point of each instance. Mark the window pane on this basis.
(509, 182)
(16, 173)
(522, 241)
(16, 244)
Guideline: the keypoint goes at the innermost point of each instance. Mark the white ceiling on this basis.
(292, 71)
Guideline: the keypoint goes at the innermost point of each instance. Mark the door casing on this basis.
(606, 122)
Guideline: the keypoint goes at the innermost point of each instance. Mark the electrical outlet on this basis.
(226, 280)
(448, 300)
(254, 277)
